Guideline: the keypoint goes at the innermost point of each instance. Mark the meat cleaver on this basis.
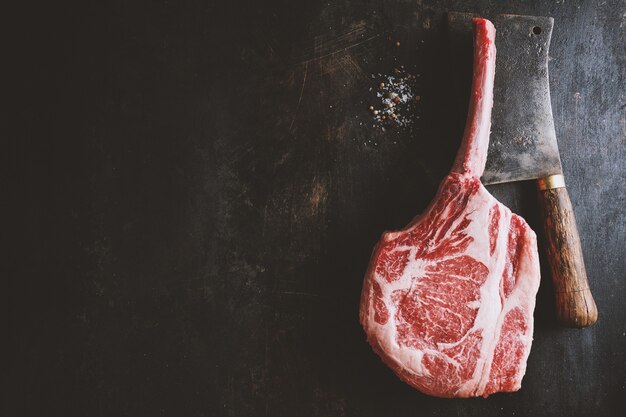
(523, 145)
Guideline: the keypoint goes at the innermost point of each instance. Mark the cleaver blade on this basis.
(523, 143)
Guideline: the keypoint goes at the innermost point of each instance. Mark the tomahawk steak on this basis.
(448, 301)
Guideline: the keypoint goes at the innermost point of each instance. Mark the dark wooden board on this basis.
(194, 192)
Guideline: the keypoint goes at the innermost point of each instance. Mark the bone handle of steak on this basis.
(574, 302)
(472, 153)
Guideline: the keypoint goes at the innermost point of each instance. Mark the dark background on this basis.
(189, 220)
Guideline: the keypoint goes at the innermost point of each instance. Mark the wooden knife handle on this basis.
(575, 306)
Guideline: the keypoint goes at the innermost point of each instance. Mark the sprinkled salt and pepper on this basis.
(396, 99)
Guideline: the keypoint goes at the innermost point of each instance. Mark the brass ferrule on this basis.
(550, 182)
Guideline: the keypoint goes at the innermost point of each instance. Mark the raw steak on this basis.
(448, 302)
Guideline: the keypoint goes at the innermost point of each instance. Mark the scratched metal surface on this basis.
(198, 189)
(523, 145)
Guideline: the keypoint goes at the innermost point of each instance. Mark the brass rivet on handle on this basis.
(550, 182)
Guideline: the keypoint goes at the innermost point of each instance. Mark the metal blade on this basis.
(523, 143)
